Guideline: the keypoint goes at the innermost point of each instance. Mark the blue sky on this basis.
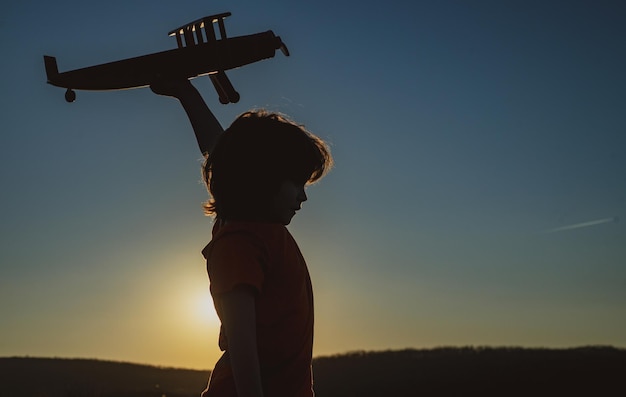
(464, 134)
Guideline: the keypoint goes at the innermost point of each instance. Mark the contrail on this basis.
(583, 224)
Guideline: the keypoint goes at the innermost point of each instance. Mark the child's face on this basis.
(287, 201)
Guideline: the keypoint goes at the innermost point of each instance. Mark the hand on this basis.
(173, 88)
(205, 125)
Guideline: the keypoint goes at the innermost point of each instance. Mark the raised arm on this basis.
(205, 125)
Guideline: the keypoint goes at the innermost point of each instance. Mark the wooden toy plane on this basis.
(199, 53)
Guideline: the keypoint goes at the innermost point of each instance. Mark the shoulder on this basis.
(262, 235)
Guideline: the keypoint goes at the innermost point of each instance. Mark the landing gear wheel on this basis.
(70, 95)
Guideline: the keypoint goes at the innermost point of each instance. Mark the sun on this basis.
(203, 310)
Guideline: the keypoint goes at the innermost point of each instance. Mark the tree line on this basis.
(446, 371)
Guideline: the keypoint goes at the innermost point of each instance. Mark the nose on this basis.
(302, 195)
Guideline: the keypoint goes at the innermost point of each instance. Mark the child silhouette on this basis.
(256, 172)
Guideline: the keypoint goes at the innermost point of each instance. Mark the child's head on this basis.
(254, 157)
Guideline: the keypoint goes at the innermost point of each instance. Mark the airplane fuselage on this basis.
(186, 62)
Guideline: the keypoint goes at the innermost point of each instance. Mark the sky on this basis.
(478, 196)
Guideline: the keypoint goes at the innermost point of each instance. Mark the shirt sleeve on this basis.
(236, 259)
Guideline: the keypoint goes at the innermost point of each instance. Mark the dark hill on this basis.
(501, 372)
(585, 371)
(57, 377)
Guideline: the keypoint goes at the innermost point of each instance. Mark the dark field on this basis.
(584, 371)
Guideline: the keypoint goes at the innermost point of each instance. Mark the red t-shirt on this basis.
(265, 257)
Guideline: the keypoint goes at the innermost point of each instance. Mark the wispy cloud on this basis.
(582, 224)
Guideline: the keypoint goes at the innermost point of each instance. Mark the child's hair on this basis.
(251, 159)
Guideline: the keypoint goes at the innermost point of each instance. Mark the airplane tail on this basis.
(51, 67)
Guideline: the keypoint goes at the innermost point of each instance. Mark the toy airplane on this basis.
(197, 54)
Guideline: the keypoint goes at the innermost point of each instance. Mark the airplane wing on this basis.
(192, 32)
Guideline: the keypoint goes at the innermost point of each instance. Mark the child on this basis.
(256, 173)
